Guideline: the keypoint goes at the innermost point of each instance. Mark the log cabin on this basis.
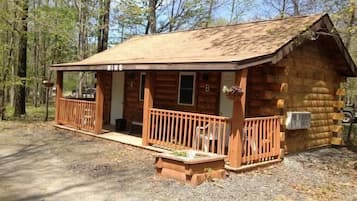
(251, 91)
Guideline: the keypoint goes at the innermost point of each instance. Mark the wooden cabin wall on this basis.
(166, 94)
(208, 102)
(264, 87)
(107, 82)
(133, 107)
(312, 84)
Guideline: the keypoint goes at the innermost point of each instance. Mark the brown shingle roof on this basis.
(234, 43)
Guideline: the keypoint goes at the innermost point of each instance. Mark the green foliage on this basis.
(32, 113)
(180, 153)
(55, 28)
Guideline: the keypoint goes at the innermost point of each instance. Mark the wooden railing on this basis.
(76, 113)
(184, 130)
(261, 139)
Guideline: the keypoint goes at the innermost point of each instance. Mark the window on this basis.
(142, 86)
(186, 89)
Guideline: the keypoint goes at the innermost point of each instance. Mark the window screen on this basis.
(186, 91)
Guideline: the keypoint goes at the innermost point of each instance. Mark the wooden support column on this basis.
(235, 138)
(99, 102)
(148, 104)
(59, 93)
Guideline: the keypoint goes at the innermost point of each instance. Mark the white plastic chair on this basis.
(204, 139)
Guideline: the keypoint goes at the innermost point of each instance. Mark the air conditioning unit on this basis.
(298, 120)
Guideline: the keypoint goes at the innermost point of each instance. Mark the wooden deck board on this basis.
(116, 137)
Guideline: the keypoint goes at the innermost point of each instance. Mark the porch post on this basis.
(99, 101)
(59, 93)
(148, 104)
(235, 138)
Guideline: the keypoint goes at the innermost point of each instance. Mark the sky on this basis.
(246, 10)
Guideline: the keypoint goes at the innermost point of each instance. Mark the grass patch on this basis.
(32, 113)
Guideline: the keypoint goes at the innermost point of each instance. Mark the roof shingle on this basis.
(231, 43)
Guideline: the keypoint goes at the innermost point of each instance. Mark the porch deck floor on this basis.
(116, 137)
(135, 141)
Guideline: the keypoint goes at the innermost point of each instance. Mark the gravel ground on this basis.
(38, 162)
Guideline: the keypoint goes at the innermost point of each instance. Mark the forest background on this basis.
(37, 33)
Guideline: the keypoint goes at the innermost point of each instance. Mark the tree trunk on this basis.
(232, 11)
(44, 64)
(82, 47)
(20, 96)
(36, 61)
(171, 22)
(296, 4)
(209, 14)
(350, 24)
(283, 10)
(9, 64)
(103, 25)
(151, 25)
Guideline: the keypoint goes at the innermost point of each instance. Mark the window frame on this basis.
(193, 88)
(140, 86)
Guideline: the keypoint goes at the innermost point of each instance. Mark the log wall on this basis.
(306, 80)
(166, 94)
(312, 83)
(264, 90)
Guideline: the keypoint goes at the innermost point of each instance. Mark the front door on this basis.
(226, 105)
(117, 97)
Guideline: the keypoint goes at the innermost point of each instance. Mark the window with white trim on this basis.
(186, 93)
(142, 86)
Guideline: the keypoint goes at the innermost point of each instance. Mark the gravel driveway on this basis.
(38, 162)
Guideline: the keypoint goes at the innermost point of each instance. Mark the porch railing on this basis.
(185, 130)
(77, 113)
(261, 139)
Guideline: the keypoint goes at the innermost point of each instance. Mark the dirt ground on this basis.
(38, 162)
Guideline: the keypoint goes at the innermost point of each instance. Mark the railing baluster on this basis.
(223, 133)
(189, 135)
(164, 133)
(156, 126)
(194, 134)
(153, 116)
(172, 128)
(270, 139)
(277, 137)
(176, 129)
(213, 133)
(180, 130)
(248, 143)
(168, 140)
(160, 128)
(185, 131)
(219, 137)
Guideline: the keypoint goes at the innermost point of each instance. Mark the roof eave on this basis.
(348, 58)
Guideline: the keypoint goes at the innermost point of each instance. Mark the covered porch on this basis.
(245, 141)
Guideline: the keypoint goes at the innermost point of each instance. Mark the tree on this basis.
(210, 12)
(351, 23)
(238, 8)
(103, 25)
(151, 22)
(296, 7)
(20, 95)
